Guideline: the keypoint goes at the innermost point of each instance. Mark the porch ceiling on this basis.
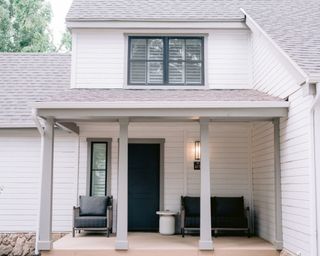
(160, 105)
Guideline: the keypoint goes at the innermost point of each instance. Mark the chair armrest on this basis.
(248, 215)
(182, 216)
(109, 216)
(76, 213)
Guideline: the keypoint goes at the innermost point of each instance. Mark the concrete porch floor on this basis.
(154, 244)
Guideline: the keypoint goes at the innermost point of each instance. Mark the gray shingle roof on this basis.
(130, 95)
(25, 78)
(28, 78)
(293, 24)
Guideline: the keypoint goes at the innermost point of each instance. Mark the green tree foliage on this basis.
(66, 42)
(24, 26)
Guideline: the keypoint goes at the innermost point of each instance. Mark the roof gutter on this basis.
(300, 76)
(37, 122)
(315, 166)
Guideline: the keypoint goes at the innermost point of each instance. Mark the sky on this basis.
(57, 26)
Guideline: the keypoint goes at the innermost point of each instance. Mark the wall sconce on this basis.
(197, 155)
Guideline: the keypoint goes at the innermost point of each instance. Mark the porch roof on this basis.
(102, 104)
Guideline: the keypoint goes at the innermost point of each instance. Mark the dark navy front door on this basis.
(143, 186)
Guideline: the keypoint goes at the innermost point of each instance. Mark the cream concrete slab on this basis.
(147, 244)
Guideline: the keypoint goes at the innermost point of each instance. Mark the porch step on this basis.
(152, 244)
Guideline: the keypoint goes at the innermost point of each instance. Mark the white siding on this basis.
(20, 179)
(273, 77)
(296, 181)
(100, 57)
(269, 74)
(263, 179)
(230, 162)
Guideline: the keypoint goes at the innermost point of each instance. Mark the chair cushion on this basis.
(93, 205)
(192, 206)
(90, 222)
(230, 222)
(228, 206)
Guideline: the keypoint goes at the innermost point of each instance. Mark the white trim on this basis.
(238, 24)
(73, 80)
(160, 104)
(293, 67)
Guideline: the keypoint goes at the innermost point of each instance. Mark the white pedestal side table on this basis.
(167, 222)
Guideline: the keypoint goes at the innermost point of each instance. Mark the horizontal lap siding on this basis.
(263, 179)
(229, 161)
(295, 164)
(271, 76)
(99, 58)
(229, 164)
(20, 179)
(228, 59)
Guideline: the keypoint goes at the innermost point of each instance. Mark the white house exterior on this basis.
(253, 104)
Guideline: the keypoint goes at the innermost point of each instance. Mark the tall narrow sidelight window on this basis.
(98, 170)
(166, 61)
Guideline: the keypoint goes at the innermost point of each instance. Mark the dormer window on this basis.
(170, 61)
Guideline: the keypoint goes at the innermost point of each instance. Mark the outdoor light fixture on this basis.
(197, 155)
(197, 150)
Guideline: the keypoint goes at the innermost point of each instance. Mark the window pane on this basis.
(138, 72)
(193, 49)
(139, 49)
(193, 73)
(99, 156)
(176, 49)
(98, 183)
(176, 72)
(155, 72)
(155, 49)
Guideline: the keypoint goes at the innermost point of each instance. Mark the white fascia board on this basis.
(237, 24)
(17, 126)
(160, 104)
(295, 70)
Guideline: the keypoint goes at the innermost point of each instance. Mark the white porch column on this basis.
(44, 241)
(122, 212)
(205, 242)
(277, 183)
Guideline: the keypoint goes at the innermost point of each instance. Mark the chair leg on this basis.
(215, 233)
(108, 233)
(182, 232)
(248, 233)
(73, 232)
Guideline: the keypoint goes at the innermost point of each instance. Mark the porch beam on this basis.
(44, 240)
(278, 243)
(191, 113)
(205, 242)
(69, 127)
(122, 211)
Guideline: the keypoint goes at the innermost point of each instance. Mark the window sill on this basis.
(167, 87)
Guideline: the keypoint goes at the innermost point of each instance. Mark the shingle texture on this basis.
(26, 78)
(129, 95)
(293, 24)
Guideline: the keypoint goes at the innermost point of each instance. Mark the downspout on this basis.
(41, 131)
(314, 151)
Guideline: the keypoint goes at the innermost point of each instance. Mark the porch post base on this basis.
(278, 245)
(206, 245)
(44, 245)
(122, 245)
